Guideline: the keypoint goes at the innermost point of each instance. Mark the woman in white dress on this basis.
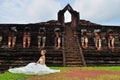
(38, 68)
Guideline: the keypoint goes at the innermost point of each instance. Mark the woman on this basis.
(38, 68)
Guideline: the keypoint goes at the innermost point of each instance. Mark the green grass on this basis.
(113, 68)
(11, 76)
(60, 76)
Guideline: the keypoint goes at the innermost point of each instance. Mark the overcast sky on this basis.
(104, 12)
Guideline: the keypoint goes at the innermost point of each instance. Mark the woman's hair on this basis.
(44, 51)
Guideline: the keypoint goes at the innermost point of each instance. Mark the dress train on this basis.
(33, 69)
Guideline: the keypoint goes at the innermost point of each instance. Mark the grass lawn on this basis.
(61, 75)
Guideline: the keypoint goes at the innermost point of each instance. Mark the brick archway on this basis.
(74, 16)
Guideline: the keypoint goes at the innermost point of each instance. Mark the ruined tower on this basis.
(74, 16)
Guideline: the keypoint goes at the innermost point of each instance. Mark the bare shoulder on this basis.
(43, 57)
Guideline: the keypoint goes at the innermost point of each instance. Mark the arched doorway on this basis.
(67, 16)
(74, 16)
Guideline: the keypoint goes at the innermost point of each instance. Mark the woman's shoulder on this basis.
(42, 57)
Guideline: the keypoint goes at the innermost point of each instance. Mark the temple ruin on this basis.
(70, 53)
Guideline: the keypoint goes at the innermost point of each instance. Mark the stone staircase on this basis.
(72, 51)
(21, 57)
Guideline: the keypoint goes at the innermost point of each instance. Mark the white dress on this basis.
(33, 69)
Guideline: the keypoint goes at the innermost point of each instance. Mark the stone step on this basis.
(72, 53)
(74, 57)
(71, 49)
(102, 61)
(103, 64)
(72, 65)
(73, 60)
(101, 58)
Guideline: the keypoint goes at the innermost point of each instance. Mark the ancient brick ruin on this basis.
(70, 53)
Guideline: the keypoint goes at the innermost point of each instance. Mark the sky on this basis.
(104, 12)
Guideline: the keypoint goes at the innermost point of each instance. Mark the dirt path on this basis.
(79, 75)
(82, 74)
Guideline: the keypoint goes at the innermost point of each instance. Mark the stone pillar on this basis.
(61, 17)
